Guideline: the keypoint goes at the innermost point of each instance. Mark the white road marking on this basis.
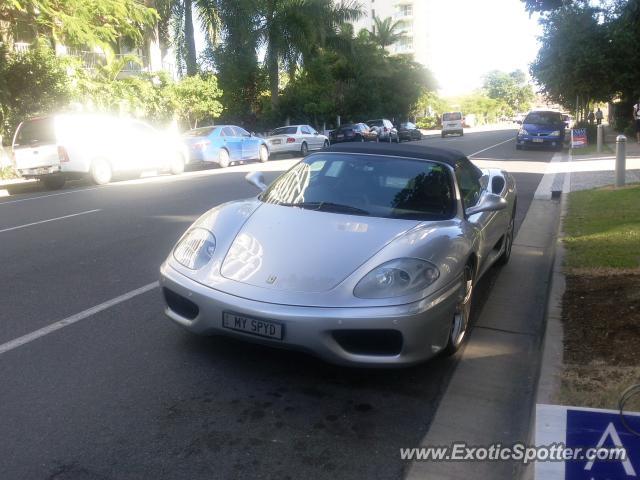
(30, 337)
(49, 220)
(49, 195)
(492, 146)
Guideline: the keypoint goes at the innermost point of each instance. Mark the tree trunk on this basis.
(274, 73)
(189, 39)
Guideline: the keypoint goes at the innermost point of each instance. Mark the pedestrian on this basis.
(599, 116)
(591, 117)
(636, 118)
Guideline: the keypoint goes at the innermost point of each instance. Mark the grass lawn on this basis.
(601, 303)
(602, 228)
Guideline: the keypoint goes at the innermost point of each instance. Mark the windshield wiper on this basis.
(328, 207)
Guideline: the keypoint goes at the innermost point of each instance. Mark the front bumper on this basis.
(423, 326)
(535, 141)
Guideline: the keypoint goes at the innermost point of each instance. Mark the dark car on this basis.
(386, 131)
(354, 132)
(541, 128)
(409, 131)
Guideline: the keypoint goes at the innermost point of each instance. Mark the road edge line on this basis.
(41, 332)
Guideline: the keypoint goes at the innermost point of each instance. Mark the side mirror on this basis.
(257, 180)
(489, 202)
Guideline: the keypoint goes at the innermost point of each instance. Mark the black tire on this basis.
(101, 171)
(508, 239)
(224, 159)
(462, 315)
(462, 134)
(54, 182)
(442, 135)
(325, 145)
(304, 149)
(263, 154)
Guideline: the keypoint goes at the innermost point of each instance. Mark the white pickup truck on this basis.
(66, 146)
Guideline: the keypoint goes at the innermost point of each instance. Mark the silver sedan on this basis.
(296, 139)
(360, 254)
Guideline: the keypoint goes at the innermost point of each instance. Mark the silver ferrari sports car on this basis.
(362, 254)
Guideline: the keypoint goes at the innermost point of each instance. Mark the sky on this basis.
(473, 37)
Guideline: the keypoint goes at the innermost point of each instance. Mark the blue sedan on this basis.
(541, 129)
(224, 144)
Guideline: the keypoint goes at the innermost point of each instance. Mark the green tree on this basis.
(511, 89)
(197, 99)
(31, 83)
(80, 22)
(576, 57)
(386, 32)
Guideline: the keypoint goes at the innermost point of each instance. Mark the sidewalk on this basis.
(597, 169)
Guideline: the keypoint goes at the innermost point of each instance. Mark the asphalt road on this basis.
(125, 394)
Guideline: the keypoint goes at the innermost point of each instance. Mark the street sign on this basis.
(586, 433)
(579, 137)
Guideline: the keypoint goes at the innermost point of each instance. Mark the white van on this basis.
(452, 123)
(67, 146)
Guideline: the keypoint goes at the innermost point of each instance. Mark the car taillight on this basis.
(291, 140)
(63, 156)
(202, 145)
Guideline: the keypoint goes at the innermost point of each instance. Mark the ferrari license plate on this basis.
(537, 140)
(252, 326)
(276, 142)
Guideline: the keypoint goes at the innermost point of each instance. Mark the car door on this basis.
(232, 142)
(472, 188)
(305, 132)
(250, 145)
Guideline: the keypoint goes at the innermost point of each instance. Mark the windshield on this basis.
(36, 132)
(199, 132)
(284, 131)
(450, 117)
(388, 187)
(375, 123)
(543, 118)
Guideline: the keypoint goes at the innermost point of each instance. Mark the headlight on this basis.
(397, 278)
(195, 248)
(556, 133)
(522, 132)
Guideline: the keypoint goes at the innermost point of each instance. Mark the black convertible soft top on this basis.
(421, 152)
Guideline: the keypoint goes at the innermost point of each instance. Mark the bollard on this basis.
(600, 137)
(621, 153)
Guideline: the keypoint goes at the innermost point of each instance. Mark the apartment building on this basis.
(415, 21)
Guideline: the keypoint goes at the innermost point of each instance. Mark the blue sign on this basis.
(592, 429)
(596, 444)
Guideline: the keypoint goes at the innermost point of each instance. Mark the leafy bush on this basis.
(31, 83)
(428, 123)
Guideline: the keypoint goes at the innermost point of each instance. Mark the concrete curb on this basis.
(492, 393)
(549, 376)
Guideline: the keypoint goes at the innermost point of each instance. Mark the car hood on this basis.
(543, 128)
(297, 250)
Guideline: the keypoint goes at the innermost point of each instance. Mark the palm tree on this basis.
(386, 32)
(292, 30)
(176, 28)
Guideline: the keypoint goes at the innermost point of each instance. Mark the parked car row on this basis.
(381, 130)
(58, 148)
